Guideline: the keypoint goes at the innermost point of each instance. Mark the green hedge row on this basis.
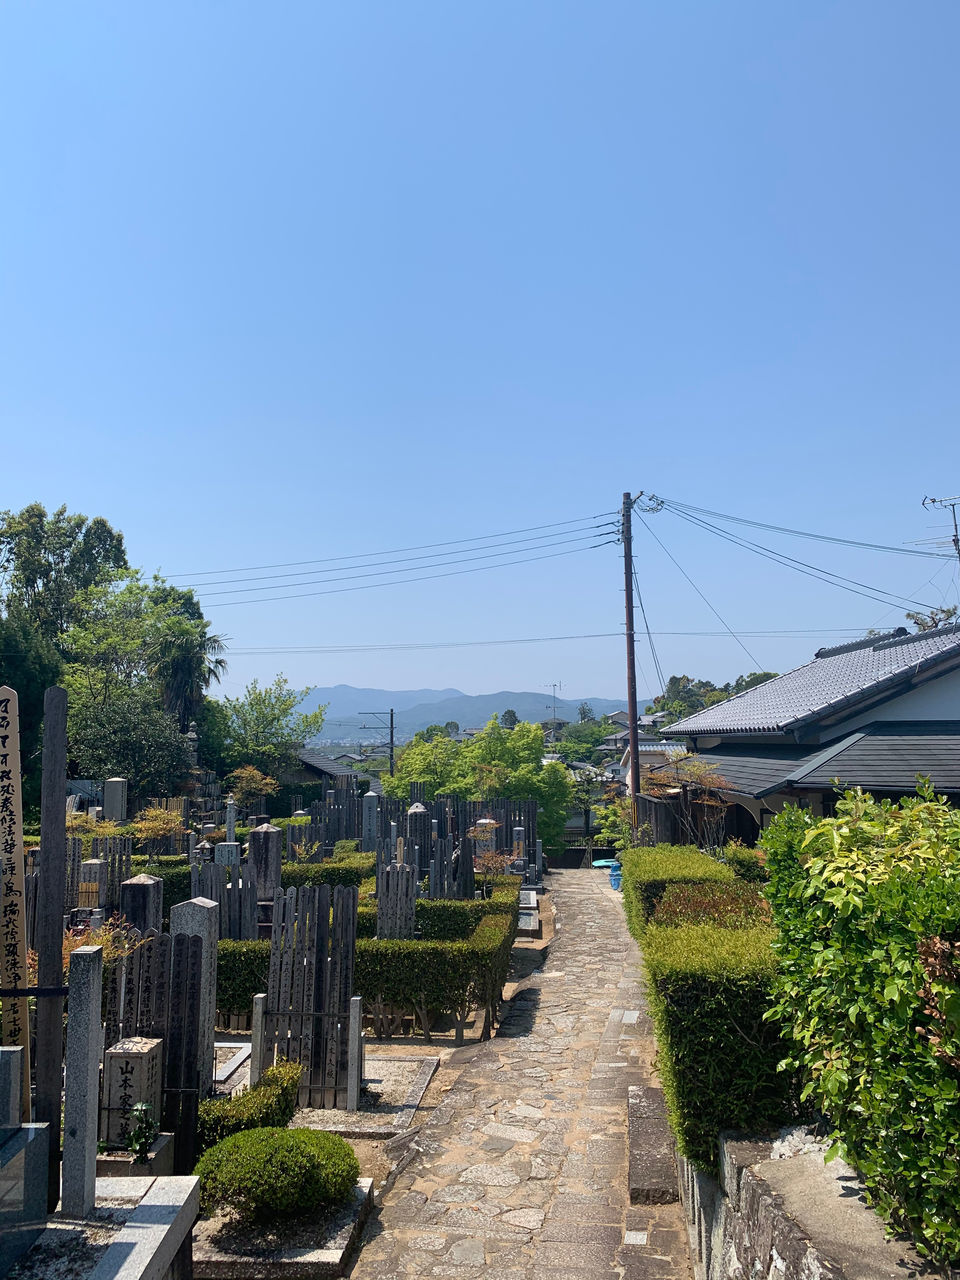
(242, 969)
(710, 988)
(868, 987)
(647, 872)
(428, 979)
(270, 1103)
(448, 920)
(349, 868)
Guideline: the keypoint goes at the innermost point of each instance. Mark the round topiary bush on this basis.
(262, 1174)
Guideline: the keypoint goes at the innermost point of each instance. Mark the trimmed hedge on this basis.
(746, 864)
(427, 979)
(647, 872)
(710, 989)
(242, 969)
(272, 1173)
(732, 906)
(448, 920)
(271, 1102)
(351, 868)
(868, 906)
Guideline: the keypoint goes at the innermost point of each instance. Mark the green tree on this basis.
(46, 561)
(582, 741)
(30, 664)
(451, 728)
(684, 695)
(585, 712)
(509, 718)
(129, 736)
(496, 762)
(938, 617)
(265, 729)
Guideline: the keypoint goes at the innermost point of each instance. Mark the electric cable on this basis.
(801, 566)
(722, 621)
(643, 614)
(676, 507)
(423, 546)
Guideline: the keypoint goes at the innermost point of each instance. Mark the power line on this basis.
(427, 577)
(380, 573)
(643, 615)
(423, 546)
(801, 566)
(722, 621)
(677, 507)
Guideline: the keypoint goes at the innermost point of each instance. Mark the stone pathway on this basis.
(522, 1169)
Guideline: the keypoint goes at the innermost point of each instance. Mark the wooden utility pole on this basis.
(391, 742)
(626, 534)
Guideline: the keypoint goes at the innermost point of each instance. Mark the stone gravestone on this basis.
(14, 1014)
(141, 902)
(265, 853)
(419, 836)
(231, 821)
(82, 1081)
(23, 1166)
(115, 800)
(368, 823)
(132, 1073)
(93, 871)
(200, 917)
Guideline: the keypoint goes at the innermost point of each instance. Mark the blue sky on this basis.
(291, 282)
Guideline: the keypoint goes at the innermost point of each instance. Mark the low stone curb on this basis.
(404, 1116)
(653, 1166)
(328, 1259)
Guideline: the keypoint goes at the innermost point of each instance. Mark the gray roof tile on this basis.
(836, 677)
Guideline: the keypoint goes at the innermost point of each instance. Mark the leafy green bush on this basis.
(647, 872)
(868, 908)
(270, 1103)
(271, 1173)
(746, 864)
(443, 919)
(242, 969)
(731, 906)
(342, 848)
(351, 868)
(710, 988)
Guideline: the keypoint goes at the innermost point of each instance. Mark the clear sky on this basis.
(293, 282)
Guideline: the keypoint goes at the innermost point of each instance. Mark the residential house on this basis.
(875, 713)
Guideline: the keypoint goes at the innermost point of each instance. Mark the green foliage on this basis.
(144, 1131)
(276, 1173)
(709, 990)
(129, 737)
(730, 906)
(684, 695)
(265, 729)
(271, 1102)
(746, 864)
(509, 719)
(496, 762)
(582, 741)
(868, 909)
(46, 561)
(647, 872)
(242, 969)
(446, 920)
(351, 868)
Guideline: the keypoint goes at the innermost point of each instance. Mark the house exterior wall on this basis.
(936, 700)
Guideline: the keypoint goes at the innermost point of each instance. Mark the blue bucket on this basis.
(615, 876)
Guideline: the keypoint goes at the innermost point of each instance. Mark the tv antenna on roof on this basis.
(948, 504)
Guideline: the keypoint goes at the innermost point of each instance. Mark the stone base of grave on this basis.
(306, 1254)
(158, 1164)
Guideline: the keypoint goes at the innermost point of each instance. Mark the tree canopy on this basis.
(495, 762)
(264, 728)
(683, 695)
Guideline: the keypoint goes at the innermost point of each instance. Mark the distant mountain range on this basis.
(349, 711)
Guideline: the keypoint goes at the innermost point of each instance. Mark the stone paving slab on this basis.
(521, 1171)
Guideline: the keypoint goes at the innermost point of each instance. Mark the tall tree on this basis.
(509, 718)
(46, 561)
(585, 712)
(129, 736)
(265, 729)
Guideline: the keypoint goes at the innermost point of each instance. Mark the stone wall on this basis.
(779, 1213)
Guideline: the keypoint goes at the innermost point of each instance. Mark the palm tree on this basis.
(186, 659)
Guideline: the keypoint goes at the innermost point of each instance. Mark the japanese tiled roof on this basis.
(835, 679)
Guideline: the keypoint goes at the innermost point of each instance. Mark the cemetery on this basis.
(202, 1007)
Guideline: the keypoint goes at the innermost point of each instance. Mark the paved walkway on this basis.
(522, 1172)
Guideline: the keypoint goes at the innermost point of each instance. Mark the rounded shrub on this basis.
(263, 1174)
